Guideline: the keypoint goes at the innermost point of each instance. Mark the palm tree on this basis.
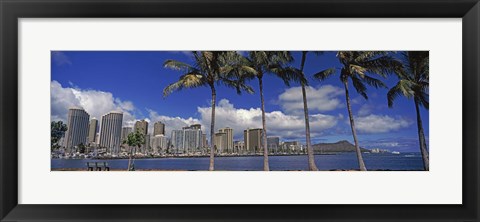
(259, 63)
(299, 71)
(133, 140)
(356, 65)
(413, 83)
(209, 68)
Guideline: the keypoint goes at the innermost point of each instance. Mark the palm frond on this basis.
(324, 74)
(190, 80)
(423, 100)
(374, 82)
(177, 65)
(393, 93)
(359, 87)
(382, 66)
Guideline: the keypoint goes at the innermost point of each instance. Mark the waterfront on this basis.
(340, 161)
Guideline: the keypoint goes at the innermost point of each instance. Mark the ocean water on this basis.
(342, 161)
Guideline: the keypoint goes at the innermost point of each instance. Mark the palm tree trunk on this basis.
(311, 158)
(266, 167)
(354, 132)
(212, 130)
(421, 138)
(129, 159)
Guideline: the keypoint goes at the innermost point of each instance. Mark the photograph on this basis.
(239, 110)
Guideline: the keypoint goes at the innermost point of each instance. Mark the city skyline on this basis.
(188, 140)
(379, 126)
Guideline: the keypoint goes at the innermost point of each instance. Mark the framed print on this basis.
(225, 110)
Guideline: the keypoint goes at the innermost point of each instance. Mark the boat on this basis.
(395, 152)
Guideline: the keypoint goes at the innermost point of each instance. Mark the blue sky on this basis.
(133, 82)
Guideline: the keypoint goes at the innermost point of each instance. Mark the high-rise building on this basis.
(110, 132)
(221, 142)
(125, 132)
(253, 140)
(92, 131)
(158, 128)
(273, 144)
(147, 148)
(177, 141)
(159, 144)
(228, 144)
(204, 140)
(77, 128)
(186, 140)
(193, 140)
(141, 126)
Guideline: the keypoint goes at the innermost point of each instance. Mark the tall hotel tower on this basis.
(253, 140)
(92, 131)
(141, 126)
(77, 128)
(228, 143)
(158, 129)
(110, 131)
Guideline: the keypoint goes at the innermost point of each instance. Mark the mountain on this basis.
(340, 146)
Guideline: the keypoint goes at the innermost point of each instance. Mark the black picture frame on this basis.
(12, 10)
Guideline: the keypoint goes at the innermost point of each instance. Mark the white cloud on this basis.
(325, 98)
(380, 124)
(96, 103)
(278, 123)
(365, 110)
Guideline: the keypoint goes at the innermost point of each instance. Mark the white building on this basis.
(186, 140)
(110, 132)
(228, 143)
(159, 144)
(92, 131)
(77, 129)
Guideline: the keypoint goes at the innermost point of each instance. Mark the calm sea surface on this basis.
(343, 161)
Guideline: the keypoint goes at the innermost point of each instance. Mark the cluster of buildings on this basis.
(107, 136)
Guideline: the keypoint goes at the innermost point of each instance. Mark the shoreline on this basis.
(199, 156)
(163, 170)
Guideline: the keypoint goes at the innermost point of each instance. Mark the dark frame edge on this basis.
(8, 112)
(471, 120)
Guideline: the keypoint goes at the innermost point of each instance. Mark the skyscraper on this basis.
(273, 144)
(228, 144)
(146, 148)
(193, 140)
(158, 128)
(177, 141)
(159, 144)
(204, 140)
(77, 128)
(125, 132)
(253, 140)
(110, 131)
(141, 126)
(186, 140)
(92, 131)
(221, 142)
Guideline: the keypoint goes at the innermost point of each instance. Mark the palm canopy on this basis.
(359, 65)
(210, 68)
(413, 78)
(259, 63)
